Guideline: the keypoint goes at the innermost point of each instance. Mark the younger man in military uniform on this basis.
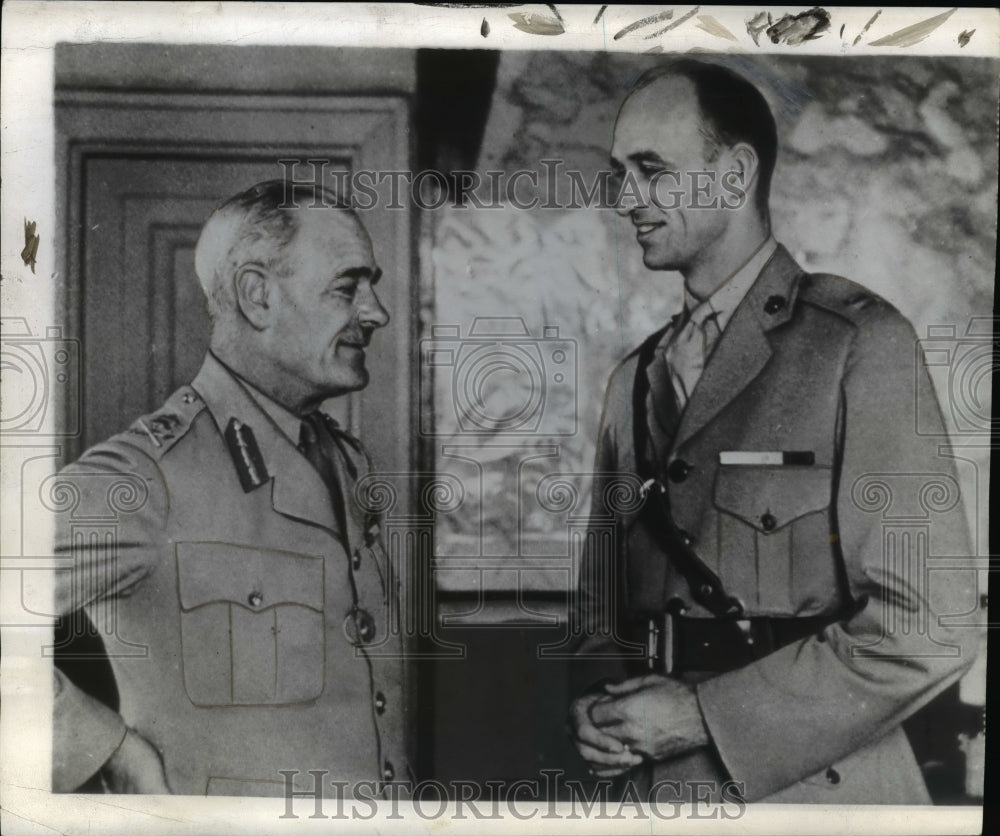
(755, 622)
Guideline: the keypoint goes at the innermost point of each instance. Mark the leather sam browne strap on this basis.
(705, 586)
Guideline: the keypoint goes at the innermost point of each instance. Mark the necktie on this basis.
(686, 354)
(662, 404)
(319, 445)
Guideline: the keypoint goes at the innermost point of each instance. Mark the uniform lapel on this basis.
(743, 349)
(297, 490)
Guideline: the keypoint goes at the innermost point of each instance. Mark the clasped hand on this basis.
(650, 716)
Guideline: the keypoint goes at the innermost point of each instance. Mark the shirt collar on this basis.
(727, 297)
(283, 418)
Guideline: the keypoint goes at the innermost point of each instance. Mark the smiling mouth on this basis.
(642, 229)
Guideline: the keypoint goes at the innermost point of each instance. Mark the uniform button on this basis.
(676, 606)
(359, 627)
(255, 599)
(833, 776)
(356, 560)
(686, 539)
(388, 773)
(768, 522)
(679, 470)
(706, 589)
(774, 304)
(379, 703)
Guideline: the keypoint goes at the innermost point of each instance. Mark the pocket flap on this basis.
(769, 498)
(256, 579)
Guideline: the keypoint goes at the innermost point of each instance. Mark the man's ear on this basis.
(743, 160)
(251, 284)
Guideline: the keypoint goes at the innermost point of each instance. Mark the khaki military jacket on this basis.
(251, 632)
(813, 364)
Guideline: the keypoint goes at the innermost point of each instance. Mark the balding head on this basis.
(255, 226)
(730, 108)
(687, 166)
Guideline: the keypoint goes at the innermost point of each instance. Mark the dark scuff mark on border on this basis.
(30, 252)
(910, 35)
(757, 24)
(555, 11)
(868, 26)
(965, 37)
(797, 29)
(484, 30)
(646, 21)
(536, 24)
(600, 14)
(675, 24)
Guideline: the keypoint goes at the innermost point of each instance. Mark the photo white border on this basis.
(30, 31)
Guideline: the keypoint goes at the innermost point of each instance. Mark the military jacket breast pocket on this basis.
(773, 538)
(252, 624)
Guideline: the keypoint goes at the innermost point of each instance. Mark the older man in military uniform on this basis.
(247, 567)
(754, 622)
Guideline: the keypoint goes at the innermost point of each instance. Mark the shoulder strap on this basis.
(704, 584)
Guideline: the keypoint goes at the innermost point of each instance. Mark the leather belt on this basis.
(676, 644)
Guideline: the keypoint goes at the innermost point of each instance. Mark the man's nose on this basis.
(625, 204)
(627, 198)
(370, 309)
